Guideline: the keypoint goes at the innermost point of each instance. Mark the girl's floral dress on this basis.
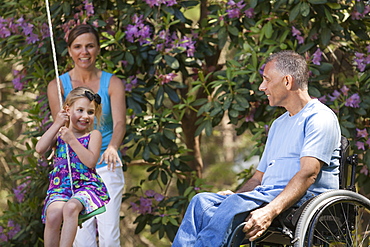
(88, 187)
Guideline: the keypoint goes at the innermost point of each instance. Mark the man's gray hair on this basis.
(291, 63)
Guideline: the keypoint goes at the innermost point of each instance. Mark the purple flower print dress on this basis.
(88, 187)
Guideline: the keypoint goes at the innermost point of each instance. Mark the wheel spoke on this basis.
(337, 219)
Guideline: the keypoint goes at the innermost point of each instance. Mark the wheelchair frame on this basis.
(329, 219)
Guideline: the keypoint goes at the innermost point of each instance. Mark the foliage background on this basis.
(191, 71)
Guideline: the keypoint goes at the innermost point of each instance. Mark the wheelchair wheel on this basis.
(335, 218)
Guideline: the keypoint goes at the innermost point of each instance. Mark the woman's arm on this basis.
(118, 108)
(88, 156)
(53, 97)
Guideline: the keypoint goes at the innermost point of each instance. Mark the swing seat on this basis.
(83, 217)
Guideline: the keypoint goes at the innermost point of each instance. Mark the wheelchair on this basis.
(334, 218)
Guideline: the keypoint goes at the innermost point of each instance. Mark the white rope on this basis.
(58, 84)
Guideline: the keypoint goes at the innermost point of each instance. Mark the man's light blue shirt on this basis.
(314, 132)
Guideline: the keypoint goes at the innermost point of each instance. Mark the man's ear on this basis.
(289, 82)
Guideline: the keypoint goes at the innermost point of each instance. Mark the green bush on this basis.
(182, 75)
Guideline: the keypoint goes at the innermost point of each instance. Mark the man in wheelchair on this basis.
(300, 161)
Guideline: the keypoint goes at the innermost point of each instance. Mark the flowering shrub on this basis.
(182, 74)
(152, 210)
(10, 231)
(159, 211)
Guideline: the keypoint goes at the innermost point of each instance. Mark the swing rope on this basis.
(81, 218)
(58, 84)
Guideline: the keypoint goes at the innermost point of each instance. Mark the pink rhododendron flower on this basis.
(360, 145)
(364, 170)
(317, 57)
(362, 133)
(353, 101)
(344, 90)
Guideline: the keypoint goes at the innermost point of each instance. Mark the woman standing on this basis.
(83, 47)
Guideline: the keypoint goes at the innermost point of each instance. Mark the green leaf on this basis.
(233, 114)
(188, 190)
(138, 149)
(179, 15)
(305, 9)
(189, 3)
(360, 111)
(173, 221)
(360, 6)
(334, 5)
(154, 175)
(318, 1)
(268, 30)
(344, 131)
(172, 62)
(129, 58)
(295, 12)
(153, 147)
(222, 37)
(204, 108)
(253, 3)
(159, 97)
(314, 92)
(216, 111)
(328, 15)
(254, 59)
(204, 125)
(199, 102)
(171, 94)
(326, 68)
(325, 36)
(146, 153)
(208, 128)
(305, 47)
(283, 46)
(156, 221)
(228, 101)
(140, 226)
(233, 30)
(66, 8)
(242, 101)
(169, 134)
(348, 124)
(164, 177)
(157, 59)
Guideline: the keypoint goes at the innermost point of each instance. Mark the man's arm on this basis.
(260, 219)
(252, 183)
(249, 185)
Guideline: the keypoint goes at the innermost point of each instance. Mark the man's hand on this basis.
(257, 222)
(225, 192)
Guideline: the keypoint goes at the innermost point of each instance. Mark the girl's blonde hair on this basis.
(85, 92)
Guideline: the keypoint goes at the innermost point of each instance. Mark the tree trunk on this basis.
(188, 122)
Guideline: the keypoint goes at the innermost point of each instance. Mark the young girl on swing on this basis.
(64, 203)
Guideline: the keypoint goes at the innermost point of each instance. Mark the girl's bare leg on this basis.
(71, 211)
(54, 217)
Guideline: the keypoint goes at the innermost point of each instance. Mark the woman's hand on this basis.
(111, 158)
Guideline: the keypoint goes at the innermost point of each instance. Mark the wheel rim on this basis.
(342, 223)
